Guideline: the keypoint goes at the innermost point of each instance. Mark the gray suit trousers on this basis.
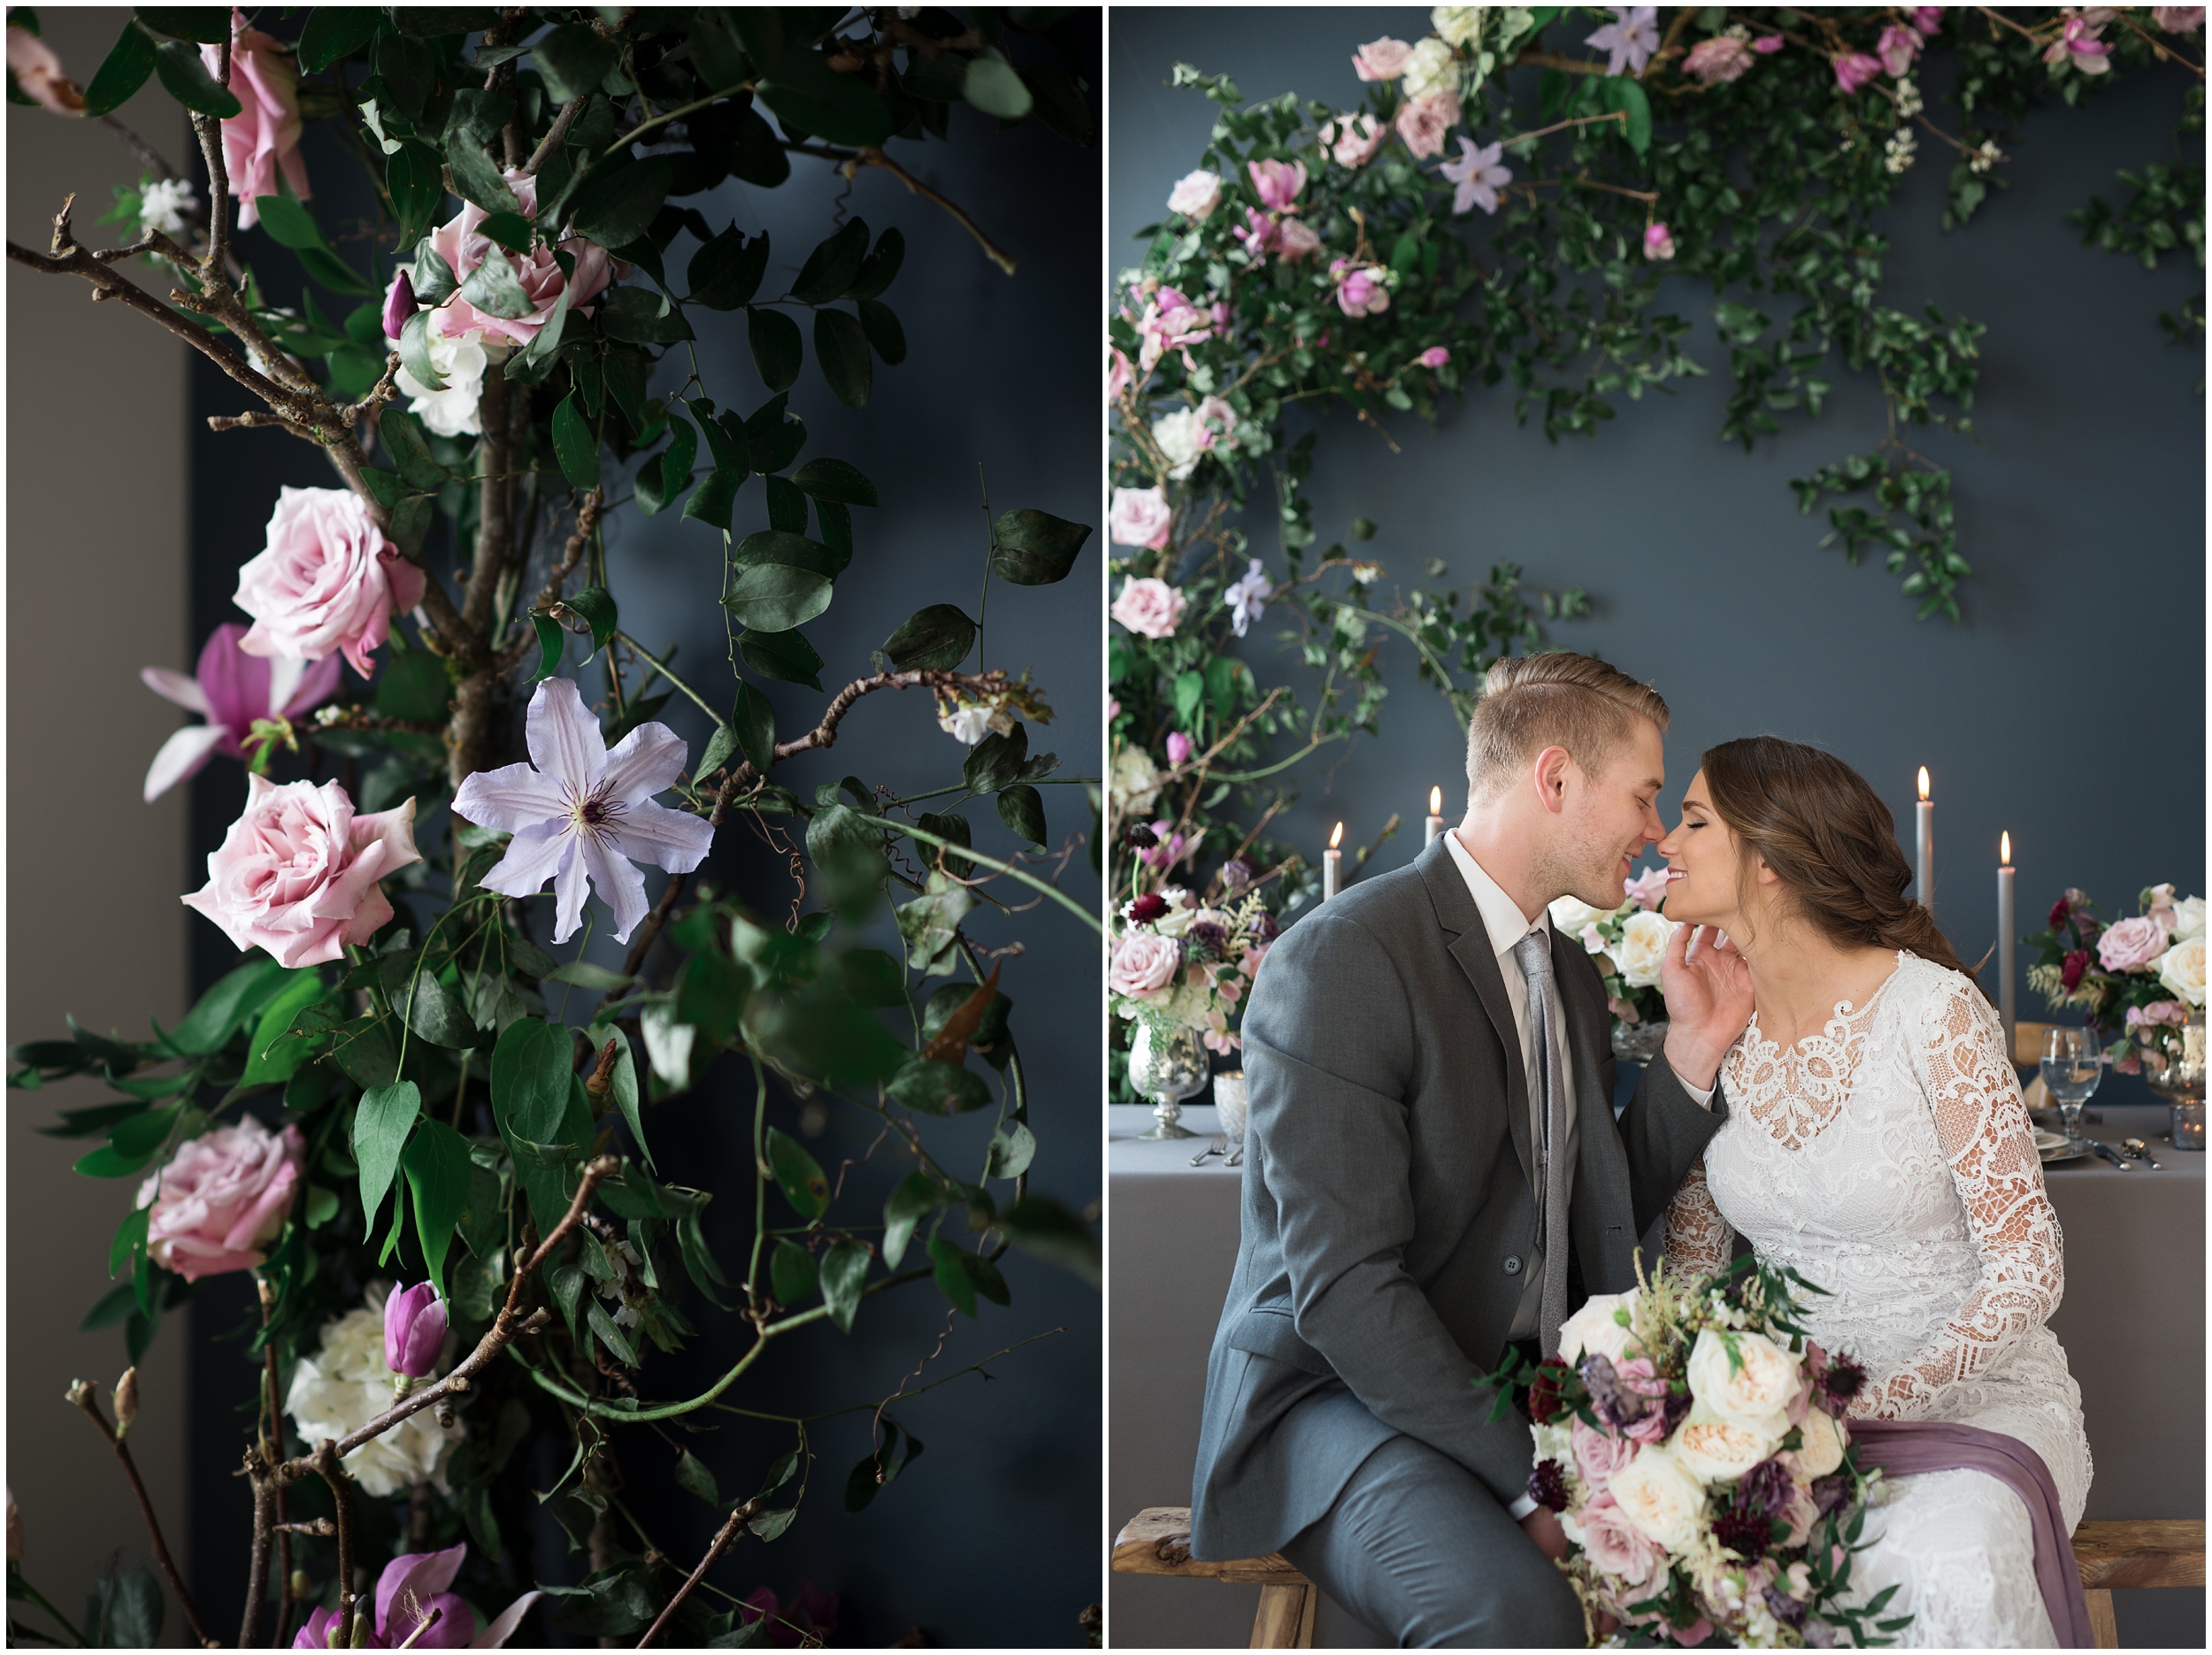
(1420, 1551)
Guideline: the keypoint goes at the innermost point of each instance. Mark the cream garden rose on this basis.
(1713, 1449)
(345, 1384)
(1755, 1391)
(1135, 781)
(1643, 948)
(2181, 968)
(1592, 1330)
(1659, 1497)
(1820, 1450)
(1574, 916)
(1432, 71)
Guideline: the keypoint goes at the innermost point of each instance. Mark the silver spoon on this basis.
(2137, 1147)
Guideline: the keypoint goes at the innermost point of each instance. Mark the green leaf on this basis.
(777, 349)
(1619, 92)
(189, 81)
(1041, 1225)
(770, 1525)
(380, 1126)
(414, 351)
(993, 86)
(798, 1174)
(574, 59)
(220, 1012)
(410, 449)
(530, 1072)
(914, 1198)
(726, 271)
(494, 288)
(936, 1087)
(711, 502)
(414, 686)
(1013, 1146)
(756, 723)
(879, 267)
(434, 1013)
(885, 335)
(333, 32)
(832, 266)
(611, 1333)
(792, 1274)
(872, 978)
(948, 1264)
(1023, 809)
(110, 1162)
(826, 479)
(440, 1174)
(574, 446)
(288, 222)
(1036, 548)
(130, 1237)
(805, 92)
(786, 656)
(663, 479)
(641, 317)
(121, 73)
(616, 207)
(779, 546)
(776, 597)
(270, 1057)
(413, 175)
(844, 1274)
(933, 639)
(995, 762)
(206, 25)
(848, 847)
(841, 347)
(477, 178)
(786, 512)
(930, 925)
(552, 645)
(694, 1478)
(596, 605)
(510, 230)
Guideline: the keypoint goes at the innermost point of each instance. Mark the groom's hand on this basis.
(1708, 988)
(1542, 1526)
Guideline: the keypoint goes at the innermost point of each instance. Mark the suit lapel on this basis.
(1471, 947)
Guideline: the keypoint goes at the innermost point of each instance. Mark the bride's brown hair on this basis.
(1829, 839)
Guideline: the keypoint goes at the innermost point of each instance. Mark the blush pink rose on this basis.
(1296, 238)
(37, 72)
(1423, 122)
(1144, 963)
(464, 247)
(1598, 1455)
(297, 874)
(1717, 61)
(1152, 607)
(1140, 516)
(1384, 59)
(1616, 1547)
(1354, 139)
(263, 139)
(222, 1198)
(327, 582)
(2131, 945)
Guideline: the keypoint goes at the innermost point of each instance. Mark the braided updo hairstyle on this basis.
(1830, 841)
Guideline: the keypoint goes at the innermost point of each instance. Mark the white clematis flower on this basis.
(460, 362)
(584, 816)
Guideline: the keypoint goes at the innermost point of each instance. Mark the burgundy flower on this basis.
(2060, 913)
(1766, 1487)
(2070, 972)
(1206, 940)
(1543, 1396)
(1744, 1533)
(1148, 908)
(1845, 1378)
(1140, 836)
(1547, 1485)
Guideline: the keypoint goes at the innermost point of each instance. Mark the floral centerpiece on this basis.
(1693, 1441)
(2133, 979)
(1183, 957)
(1630, 943)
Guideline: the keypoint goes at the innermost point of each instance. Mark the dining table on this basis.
(2132, 1322)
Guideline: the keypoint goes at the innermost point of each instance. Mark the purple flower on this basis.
(1617, 1405)
(399, 304)
(414, 1330)
(1547, 1485)
(1236, 873)
(1205, 940)
(813, 1612)
(1265, 927)
(1178, 747)
(1631, 38)
(2078, 42)
(410, 1591)
(1478, 175)
(1767, 45)
(1766, 1487)
(232, 690)
(1830, 1491)
(583, 817)
(1247, 598)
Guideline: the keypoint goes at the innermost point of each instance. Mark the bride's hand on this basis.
(1708, 988)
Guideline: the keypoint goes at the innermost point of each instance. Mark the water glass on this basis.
(2073, 1067)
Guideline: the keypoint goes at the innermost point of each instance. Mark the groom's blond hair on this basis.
(1562, 700)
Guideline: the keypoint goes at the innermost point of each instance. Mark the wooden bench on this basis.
(2158, 1552)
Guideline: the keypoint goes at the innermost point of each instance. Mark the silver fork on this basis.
(1218, 1146)
(2141, 1151)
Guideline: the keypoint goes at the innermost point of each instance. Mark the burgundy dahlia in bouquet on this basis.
(1693, 1443)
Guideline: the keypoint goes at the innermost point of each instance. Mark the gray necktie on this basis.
(1534, 953)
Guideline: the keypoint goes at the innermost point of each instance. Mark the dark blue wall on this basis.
(2069, 707)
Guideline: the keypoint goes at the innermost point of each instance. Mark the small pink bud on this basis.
(414, 1330)
(1434, 357)
(1658, 240)
(1178, 747)
(399, 304)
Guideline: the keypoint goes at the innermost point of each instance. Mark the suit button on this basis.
(1513, 1267)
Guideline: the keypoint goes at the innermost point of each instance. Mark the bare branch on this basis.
(738, 1519)
(88, 1398)
(555, 138)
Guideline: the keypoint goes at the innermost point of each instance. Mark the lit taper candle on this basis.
(2006, 927)
(1924, 823)
(1332, 864)
(1436, 816)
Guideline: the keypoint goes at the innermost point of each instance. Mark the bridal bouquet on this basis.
(1629, 942)
(1692, 1439)
(2134, 977)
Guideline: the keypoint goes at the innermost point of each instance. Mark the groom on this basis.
(1434, 1172)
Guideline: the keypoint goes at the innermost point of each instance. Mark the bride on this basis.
(1877, 1143)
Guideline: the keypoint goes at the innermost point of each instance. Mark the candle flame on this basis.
(1436, 801)
(1923, 781)
(1337, 837)
(2004, 848)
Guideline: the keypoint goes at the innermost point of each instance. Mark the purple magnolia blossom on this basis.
(1478, 175)
(584, 817)
(1247, 598)
(414, 1330)
(1855, 69)
(1631, 38)
(232, 690)
(399, 304)
(1179, 748)
(409, 1592)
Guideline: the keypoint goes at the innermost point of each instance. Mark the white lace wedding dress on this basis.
(1891, 1161)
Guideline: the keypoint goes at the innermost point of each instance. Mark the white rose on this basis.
(1643, 947)
(1760, 1385)
(1432, 71)
(1714, 1450)
(1592, 1330)
(2181, 968)
(2189, 917)
(1136, 781)
(1195, 194)
(1821, 1451)
(1457, 24)
(1179, 914)
(460, 362)
(1574, 916)
(1662, 1499)
(345, 1384)
(1182, 438)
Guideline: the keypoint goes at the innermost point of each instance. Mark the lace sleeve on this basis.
(1698, 1238)
(1986, 1138)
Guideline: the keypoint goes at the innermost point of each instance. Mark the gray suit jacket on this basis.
(1388, 1206)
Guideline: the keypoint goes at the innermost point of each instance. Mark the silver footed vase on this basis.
(1167, 1064)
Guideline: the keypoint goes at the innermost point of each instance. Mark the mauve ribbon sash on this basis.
(1904, 1448)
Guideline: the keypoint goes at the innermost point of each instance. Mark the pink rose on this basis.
(1150, 607)
(1434, 357)
(224, 1195)
(1423, 122)
(1296, 238)
(297, 873)
(2159, 1011)
(458, 243)
(1144, 963)
(2174, 19)
(1598, 1455)
(1195, 194)
(1717, 61)
(1855, 69)
(327, 582)
(264, 137)
(1383, 59)
(1658, 241)
(1647, 890)
(37, 72)
(2131, 945)
(1650, 1430)
(1616, 1547)
(1278, 182)
(1140, 516)
(1354, 139)
(1897, 48)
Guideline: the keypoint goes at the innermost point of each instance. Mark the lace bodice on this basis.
(1889, 1159)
